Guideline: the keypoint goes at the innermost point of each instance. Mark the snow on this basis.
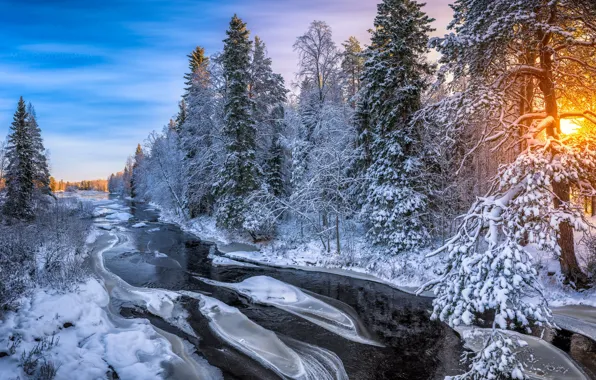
(224, 261)
(95, 341)
(139, 225)
(543, 360)
(269, 291)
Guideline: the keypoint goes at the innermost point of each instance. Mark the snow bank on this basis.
(87, 339)
(269, 291)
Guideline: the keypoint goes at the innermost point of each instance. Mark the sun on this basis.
(568, 126)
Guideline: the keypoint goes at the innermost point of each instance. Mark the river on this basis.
(335, 326)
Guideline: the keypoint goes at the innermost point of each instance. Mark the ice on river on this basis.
(269, 291)
(119, 216)
(248, 337)
(543, 360)
(580, 319)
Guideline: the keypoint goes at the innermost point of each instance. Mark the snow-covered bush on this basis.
(16, 262)
(61, 231)
(48, 251)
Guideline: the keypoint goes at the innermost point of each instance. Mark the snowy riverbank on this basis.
(574, 310)
(74, 333)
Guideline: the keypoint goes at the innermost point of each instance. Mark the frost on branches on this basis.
(489, 268)
(393, 80)
(513, 70)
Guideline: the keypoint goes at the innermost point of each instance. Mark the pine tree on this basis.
(40, 163)
(182, 113)
(196, 60)
(241, 174)
(20, 173)
(393, 81)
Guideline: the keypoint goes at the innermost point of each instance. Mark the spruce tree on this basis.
(197, 135)
(241, 174)
(393, 81)
(268, 92)
(20, 173)
(182, 113)
(275, 160)
(196, 60)
(40, 163)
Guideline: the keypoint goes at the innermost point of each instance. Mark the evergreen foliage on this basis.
(393, 82)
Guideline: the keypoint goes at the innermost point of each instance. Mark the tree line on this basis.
(380, 137)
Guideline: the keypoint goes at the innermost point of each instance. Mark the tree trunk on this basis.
(569, 264)
(337, 233)
(593, 206)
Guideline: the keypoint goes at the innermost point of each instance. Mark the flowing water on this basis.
(259, 322)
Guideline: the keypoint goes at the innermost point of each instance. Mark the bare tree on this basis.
(319, 60)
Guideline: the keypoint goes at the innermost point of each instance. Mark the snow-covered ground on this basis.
(80, 336)
(76, 332)
(406, 271)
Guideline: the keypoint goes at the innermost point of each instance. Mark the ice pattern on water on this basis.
(269, 291)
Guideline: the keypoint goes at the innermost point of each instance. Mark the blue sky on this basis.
(102, 74)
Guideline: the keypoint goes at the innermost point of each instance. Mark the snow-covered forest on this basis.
(375, 157)
(472, 177)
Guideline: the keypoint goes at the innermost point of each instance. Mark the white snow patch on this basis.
(95, 341)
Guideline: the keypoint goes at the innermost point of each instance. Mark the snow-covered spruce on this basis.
(394, 78)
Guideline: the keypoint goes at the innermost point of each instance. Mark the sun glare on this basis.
(568, 126)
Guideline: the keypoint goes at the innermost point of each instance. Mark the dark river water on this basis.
(414, 346)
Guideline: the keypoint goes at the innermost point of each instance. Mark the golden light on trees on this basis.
(569, 126)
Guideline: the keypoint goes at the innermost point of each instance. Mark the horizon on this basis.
(101, 90)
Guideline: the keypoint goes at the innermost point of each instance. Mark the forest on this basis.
(481, 155)
(468, 177)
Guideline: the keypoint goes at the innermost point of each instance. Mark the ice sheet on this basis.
(250, 338)
(543, 360)
(269, 291)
